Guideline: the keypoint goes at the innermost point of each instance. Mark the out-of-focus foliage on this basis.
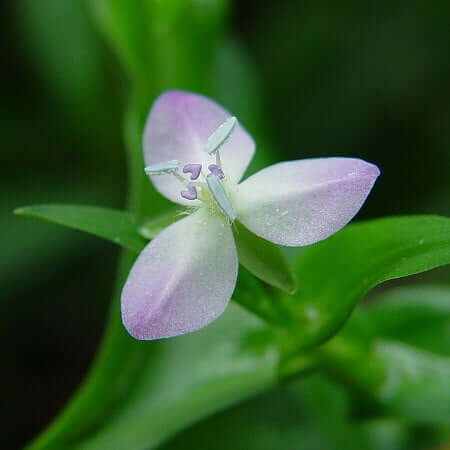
(409, 410)
(416, 386)
(411, 329)
(307, 79)
(418, 316)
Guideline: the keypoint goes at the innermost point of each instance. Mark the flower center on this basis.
(209, 189)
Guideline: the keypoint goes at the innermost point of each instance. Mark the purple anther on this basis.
(193, 169)
(190, 193)
(216, 170)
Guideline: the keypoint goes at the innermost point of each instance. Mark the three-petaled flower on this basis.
(196, 155)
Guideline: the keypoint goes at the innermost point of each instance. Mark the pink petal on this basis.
(182, 280)
(298, 203)
(178, 127)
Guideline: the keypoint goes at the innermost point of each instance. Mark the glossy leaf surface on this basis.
(113, 225)
(334, 274)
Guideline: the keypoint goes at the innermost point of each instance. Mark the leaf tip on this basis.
(293, 290)
(145, 232)
(292, 287)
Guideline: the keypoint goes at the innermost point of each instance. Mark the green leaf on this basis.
(417, 383)
(403, 380)
(388, 434)
(155, 225)
(110, 224)
(416, 315)
(377, 353)
(334, 274)
(264, 259)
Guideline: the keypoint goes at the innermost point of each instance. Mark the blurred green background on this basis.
(352, 79)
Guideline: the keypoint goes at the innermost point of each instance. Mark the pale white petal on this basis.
(182, 280)
(298, 203)
(178, 128)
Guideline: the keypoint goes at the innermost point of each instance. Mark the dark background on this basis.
(362, 79)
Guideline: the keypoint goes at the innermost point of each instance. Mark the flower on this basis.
(196, 155)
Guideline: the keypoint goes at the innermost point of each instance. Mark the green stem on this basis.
(353, 363)
(348, 361)
(85, 409)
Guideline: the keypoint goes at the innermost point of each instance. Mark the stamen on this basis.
(190, 193)
(219, 137)
(218, 161)
(181, 179)
(162, 168)
(216, 170)
(220, 196)
(193, 169)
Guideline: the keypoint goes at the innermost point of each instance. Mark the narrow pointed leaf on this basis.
(264, 259)
(336, 273)
(113, 225)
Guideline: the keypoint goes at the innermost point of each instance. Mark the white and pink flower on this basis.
(196, 155)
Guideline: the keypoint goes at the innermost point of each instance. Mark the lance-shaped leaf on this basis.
(113, 225)
(335, 274)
